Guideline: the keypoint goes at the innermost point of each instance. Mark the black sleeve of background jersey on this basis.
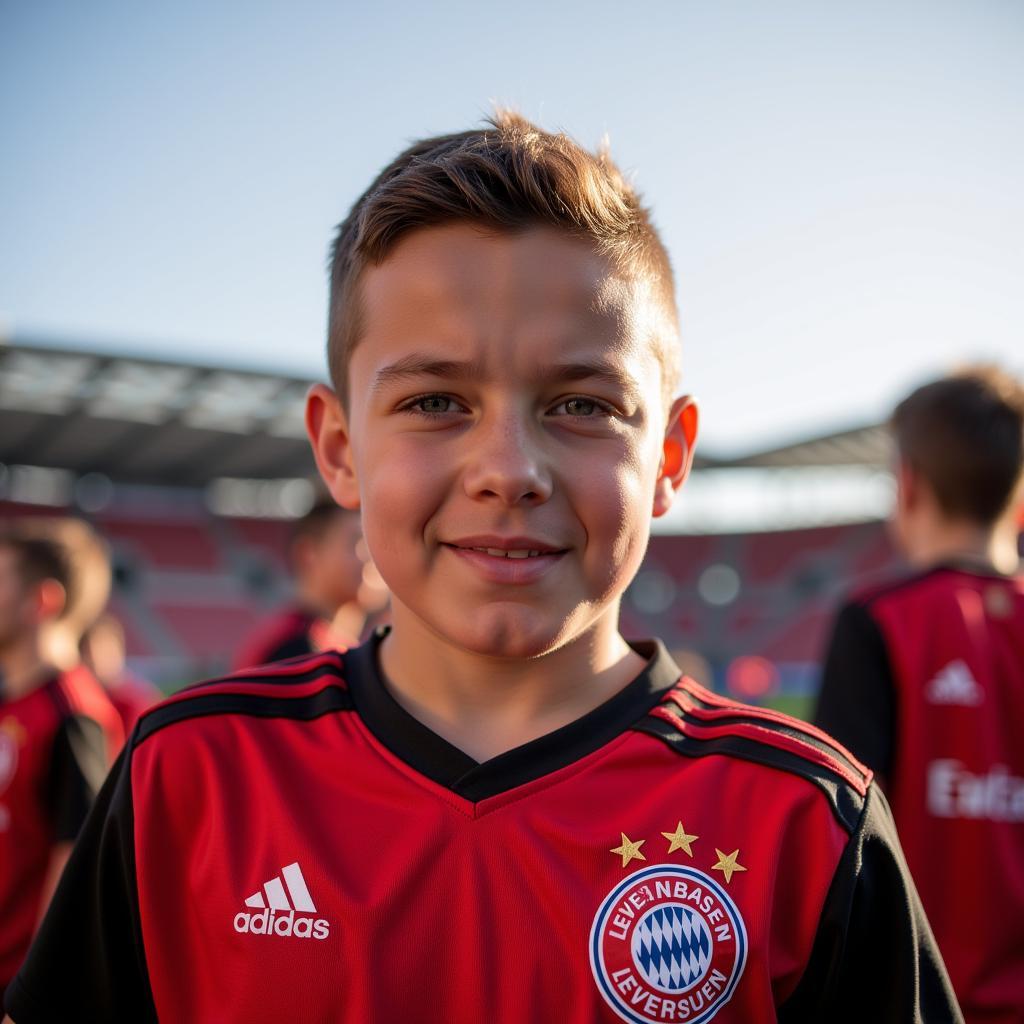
(78, 766)
(87, 961)
(874, 956)
(856, 702)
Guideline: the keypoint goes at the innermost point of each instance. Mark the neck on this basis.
(993, 547)
(22, 667)
(485, 705)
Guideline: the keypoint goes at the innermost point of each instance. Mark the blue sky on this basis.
(839, 184)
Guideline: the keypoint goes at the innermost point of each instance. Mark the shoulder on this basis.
(697, 723)
(78, 691)
(904, 587)
(77, 695)
(300, 688)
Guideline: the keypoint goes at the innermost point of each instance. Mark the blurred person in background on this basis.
(58, 731)
(337, 589)
(103, 653)
(924, 678)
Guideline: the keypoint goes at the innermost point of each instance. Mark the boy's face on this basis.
(23, 604)
(330, 565)
(13, 597)
(505, 436)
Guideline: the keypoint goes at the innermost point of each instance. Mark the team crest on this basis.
(667, 944)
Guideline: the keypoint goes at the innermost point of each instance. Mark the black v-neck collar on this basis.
(437, 759)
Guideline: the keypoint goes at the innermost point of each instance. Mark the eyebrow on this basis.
(607, 373)
(417, 366)
(412, 366)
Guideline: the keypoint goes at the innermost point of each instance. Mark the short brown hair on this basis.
(316, 522)
(509, 175)
(70, 552)
(38, 559)
(965, 435)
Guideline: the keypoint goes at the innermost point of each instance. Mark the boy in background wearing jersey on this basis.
(58, 735)
(327, 558)
(924, 678)
(499, 810)
(104, 653)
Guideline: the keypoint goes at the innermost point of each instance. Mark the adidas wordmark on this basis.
(284, 913)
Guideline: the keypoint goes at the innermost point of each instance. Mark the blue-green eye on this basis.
(433, 404)
(581, 407)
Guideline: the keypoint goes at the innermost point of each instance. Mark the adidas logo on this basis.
(954, 685)
(277, 914)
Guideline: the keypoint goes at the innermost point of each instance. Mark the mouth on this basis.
(512, 547)
(500, 553)
(507, 560)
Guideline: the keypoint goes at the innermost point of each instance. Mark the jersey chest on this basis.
(27, 729)
(302, 875)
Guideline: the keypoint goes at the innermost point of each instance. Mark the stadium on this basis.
(192, 473)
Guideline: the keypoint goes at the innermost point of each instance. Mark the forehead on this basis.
(496, 297)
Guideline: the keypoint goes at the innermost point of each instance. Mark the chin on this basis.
(501, 633)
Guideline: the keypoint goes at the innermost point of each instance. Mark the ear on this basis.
(49, 601)
(677, 452)
(327, 426)
(908, 486)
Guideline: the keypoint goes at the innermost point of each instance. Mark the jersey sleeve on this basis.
(87, 960)
(874, 956)
(78, 765)
(856, 703)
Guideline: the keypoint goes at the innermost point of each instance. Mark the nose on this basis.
(506, 462)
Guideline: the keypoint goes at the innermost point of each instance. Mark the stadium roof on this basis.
(148, 421)
(861, 446)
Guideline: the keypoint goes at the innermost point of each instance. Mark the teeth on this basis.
(500, 553)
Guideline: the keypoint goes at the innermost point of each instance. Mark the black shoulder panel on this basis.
(696, 723)
(323, 702)
(232, 695)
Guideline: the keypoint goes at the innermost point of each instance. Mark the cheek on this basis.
(401, 488)
(614, 499)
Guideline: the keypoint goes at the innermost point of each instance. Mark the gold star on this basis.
(679, 840)
(727, 865)
(629, 850)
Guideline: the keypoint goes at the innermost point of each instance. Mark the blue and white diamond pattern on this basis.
(672, 947)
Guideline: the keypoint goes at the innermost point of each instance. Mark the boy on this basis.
(924, 679)
(327, 559)
(58, 734)
(499, 810)
(104, 653)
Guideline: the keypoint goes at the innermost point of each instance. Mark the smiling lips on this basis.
(515, 560)
(499, 553)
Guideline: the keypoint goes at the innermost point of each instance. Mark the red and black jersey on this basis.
(56, 745)
(290, 844)
(924, 680)
(288, 634)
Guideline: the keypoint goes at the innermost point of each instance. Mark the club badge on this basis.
(667, 943)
